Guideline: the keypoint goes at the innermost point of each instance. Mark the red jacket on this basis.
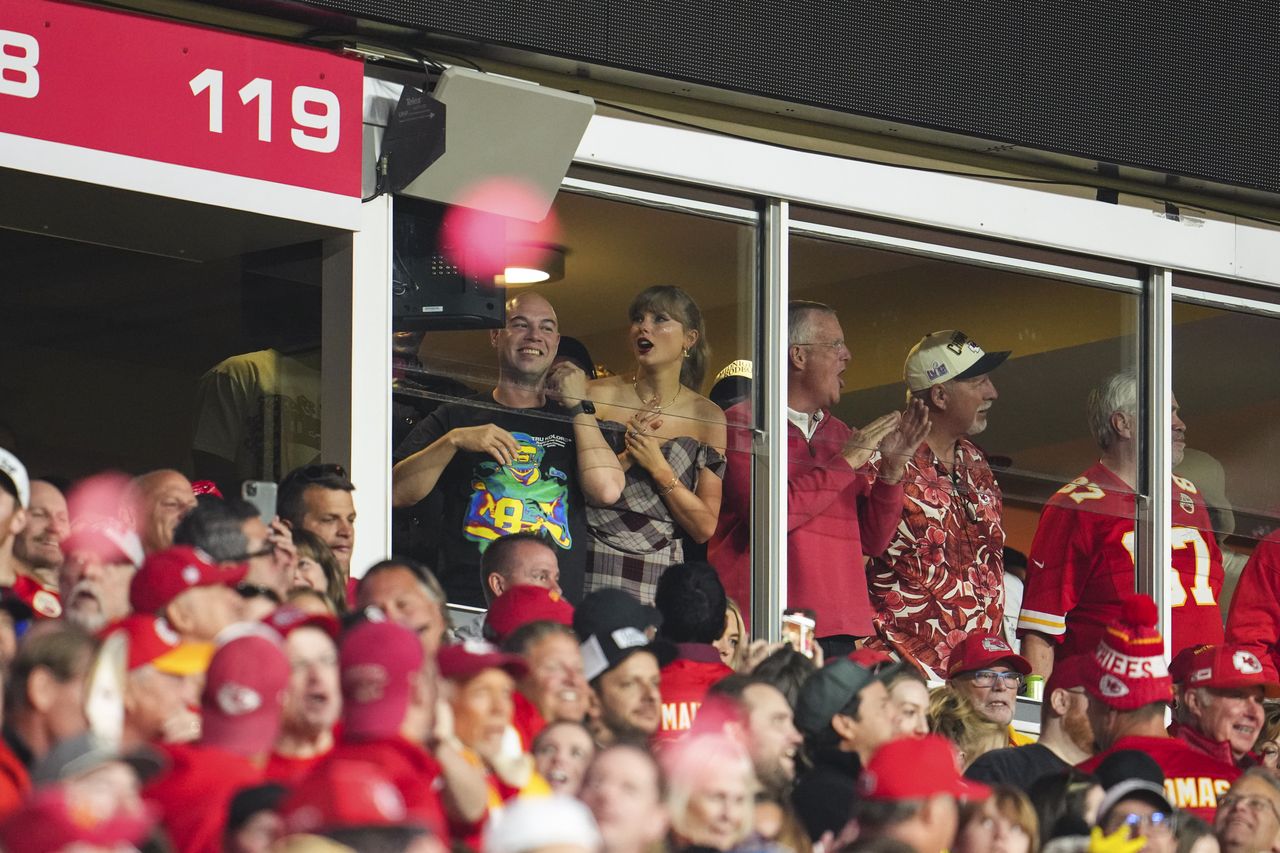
(1192, 780)
(287, 770)
(835, 517)
(685, 682)
(1254, 617)
(194, 794)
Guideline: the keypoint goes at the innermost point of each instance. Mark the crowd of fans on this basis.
(183, 671)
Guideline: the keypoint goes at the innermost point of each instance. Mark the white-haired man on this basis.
(1082, 558)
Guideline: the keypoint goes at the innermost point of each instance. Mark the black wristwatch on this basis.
(584, 407)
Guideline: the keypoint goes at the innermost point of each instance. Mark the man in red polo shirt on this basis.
(240, 718)
(1129, 691)
(838, 509)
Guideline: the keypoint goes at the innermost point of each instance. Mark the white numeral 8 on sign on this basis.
(19, 54)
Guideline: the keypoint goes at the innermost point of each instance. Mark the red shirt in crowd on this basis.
(15, 782)
(1192, 780)
(1254, 618)
(194, 794)
(1082, 563)
(526, 720)
(835, 517)
(287, 770)
(685, 682)
(942, 575)
(409, 767)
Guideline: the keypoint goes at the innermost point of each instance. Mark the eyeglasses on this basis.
(1252, 804)
(988, 678)
(265, 551)
(1156, 823)
(249, 591)
(836, 345)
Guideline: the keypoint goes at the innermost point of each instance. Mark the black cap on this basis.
(827, 692)
(604, 651)
(606, 610)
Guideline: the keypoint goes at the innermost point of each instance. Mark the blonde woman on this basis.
(711, 792)
(954, 717)
(670, 441)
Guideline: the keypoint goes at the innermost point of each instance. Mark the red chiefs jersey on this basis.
(1082, 563)
(1192, 780)
(685, 682)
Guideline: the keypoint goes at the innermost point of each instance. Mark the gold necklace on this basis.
(635, 386)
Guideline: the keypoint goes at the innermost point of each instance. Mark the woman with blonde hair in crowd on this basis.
(711, 789)
(908, 703)
(670, 440)
(954, 717)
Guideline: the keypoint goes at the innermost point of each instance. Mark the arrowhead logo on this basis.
(1112, 687)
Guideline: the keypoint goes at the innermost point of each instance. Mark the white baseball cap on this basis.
(530, 823)
(14, 471)
(949, 354)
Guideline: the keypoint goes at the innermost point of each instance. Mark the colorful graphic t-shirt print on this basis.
(519, 498)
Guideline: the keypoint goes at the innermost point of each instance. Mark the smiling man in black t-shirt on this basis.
(520, 458)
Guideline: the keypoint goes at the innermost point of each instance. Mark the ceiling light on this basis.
(532, 263)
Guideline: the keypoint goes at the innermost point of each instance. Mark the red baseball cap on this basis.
(521, 605)
(1228, 666)
(1069, 673)
(167, 574)
(340, 793)
(979, 650)
(471, 657)
(244, 694)
(1180, 666)
(105, 537)
(49, 820)
(377, 662)
(912, 768)
(153, 641)
(288, 618)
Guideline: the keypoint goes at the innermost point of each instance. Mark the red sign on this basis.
(128, 84)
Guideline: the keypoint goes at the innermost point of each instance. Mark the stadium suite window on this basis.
(1224, 337)
(1067, 332)
(618, 240)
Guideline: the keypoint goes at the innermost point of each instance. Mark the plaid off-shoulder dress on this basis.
(632, 542)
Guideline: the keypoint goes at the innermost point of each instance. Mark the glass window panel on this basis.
(1229, 398)
(1065, 338)
(614, 249)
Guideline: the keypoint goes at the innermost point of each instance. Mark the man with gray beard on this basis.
(101, 559)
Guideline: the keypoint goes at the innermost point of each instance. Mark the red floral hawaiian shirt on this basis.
(942, 575)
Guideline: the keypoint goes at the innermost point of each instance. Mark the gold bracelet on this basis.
(669, 487)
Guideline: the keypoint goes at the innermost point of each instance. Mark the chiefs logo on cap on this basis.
(190, 575)
(1112, 687)
(235, 700)
(995, 644)
(1246, 663)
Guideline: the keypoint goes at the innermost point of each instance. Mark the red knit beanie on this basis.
(1130, 669)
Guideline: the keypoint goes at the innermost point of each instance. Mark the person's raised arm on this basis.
(600, 474)
(696, 511)
(413, 478)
